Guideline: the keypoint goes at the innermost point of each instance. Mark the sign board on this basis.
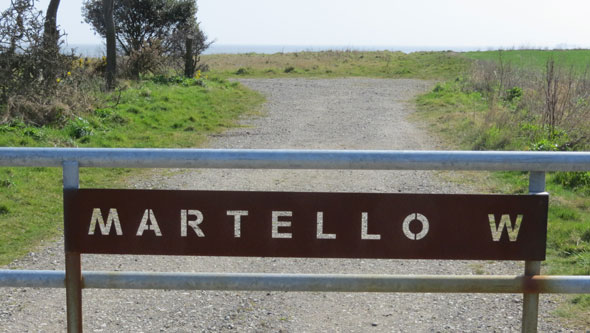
(321, 225)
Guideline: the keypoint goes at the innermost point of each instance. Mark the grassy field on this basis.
(381, 64)
(476, 119)
(148, 114)
(536, 59)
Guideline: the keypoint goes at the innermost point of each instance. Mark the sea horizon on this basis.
(98, 50)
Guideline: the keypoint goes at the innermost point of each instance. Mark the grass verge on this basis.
(152, 113)
(466, 119)
(535, 59)
(380, 64)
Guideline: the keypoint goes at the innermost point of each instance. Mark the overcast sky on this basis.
(436, 23)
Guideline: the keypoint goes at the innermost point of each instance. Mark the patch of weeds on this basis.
(133, 110)
(565, 214)
(118, 119)
(478, 269)
(573, 180)
(242, 71)
(513, 95)
(402, 71)
(145, 93)
(79, 128)
(103, 113)
(4, 210)
(289, 69)
(6, 183)
(36, 133)
(492, 139)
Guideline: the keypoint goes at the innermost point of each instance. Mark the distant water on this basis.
(97, 50)
(270, 49)
(86, 50)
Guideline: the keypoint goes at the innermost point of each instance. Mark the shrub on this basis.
(555, 99)
(29, 68)
(79, 128)
(573, 180)
(492, 139)
(242, 71)
(289, 69)
(513, 95)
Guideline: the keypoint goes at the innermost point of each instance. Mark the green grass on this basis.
(463, 117)
(148, 114)
(379, 64)
(536, 59)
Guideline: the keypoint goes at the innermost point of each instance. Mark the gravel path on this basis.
(300, 113)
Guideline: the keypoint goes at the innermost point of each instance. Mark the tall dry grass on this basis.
(553, 102)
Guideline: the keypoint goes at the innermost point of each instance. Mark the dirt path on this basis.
(301, 113)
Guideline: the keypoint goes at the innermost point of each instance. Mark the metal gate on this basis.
(74, 279)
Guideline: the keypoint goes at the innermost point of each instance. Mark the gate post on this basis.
(530, 302)
(71, 180)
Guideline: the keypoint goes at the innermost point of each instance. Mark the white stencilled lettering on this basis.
(237, 214)
(415, 217)
(148, 216)
(105, 229)
(276, 224)
(507, 222)
(320, 228)
(365, 228)
(184, 213)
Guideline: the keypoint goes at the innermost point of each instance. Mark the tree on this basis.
(51, 36)
(187, 44)
(195, 44)
(22, 56)
(29, 65)
(143, 27)
(50, 33)
(111, 70)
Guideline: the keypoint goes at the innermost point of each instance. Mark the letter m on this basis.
(506, 222)
(105, 229)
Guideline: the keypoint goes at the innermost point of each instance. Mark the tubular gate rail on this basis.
(531, 283)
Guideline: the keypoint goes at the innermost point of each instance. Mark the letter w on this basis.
(105, 229)
(505, 222)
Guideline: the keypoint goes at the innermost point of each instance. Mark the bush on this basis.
(555, 100)
(513, 95)
(79, 128)
(556, 141)
(492, 139)
(573, 180)
(28, 67)
(242, 71)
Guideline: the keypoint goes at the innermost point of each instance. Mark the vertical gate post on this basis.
(71, 180)
(530, 302)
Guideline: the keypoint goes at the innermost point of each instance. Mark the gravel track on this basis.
(300, 113)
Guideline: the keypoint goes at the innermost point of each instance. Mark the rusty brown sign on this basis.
(323, 225)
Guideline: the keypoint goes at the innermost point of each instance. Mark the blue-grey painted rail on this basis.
(297, 159)
(304, 282)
